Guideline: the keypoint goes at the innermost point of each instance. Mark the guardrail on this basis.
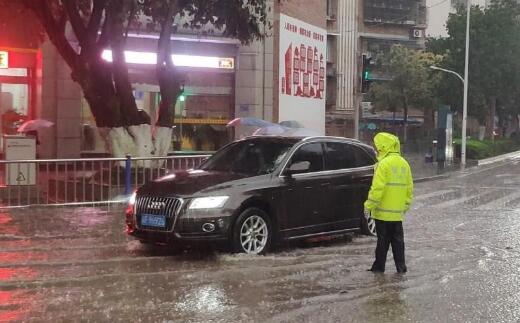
(82, 181)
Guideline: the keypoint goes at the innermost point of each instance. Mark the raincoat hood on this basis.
(386, 143)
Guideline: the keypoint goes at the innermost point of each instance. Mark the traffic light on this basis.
(366, 76)
(182, 96)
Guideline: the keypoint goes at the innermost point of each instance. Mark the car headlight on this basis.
(210, 202)
(131, 200)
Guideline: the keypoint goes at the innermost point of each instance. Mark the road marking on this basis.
(432, 194)
(463, 199)
(500, 202)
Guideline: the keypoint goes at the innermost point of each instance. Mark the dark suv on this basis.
(259, 190)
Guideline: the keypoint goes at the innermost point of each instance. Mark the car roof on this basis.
(295, 139)
(300, 138)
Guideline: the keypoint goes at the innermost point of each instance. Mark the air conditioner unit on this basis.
(417, 33)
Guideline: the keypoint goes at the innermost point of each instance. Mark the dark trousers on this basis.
(389, 233)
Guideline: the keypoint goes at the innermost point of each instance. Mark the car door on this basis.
(340, 163)
(362, 175)
(303, 193)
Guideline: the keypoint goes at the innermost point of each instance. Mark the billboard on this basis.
(302, 76)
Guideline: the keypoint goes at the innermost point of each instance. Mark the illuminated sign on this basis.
(4, 59)
(147, 58)
(226, 63)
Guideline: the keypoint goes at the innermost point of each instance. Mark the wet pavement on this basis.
(463, 253)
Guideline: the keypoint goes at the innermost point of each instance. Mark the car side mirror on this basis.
(298, 168)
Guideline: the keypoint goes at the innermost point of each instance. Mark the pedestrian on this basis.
(388, 200)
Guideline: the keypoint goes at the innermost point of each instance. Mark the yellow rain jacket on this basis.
(392, 186)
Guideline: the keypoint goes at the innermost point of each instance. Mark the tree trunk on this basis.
(490, 125)
(405, 120)
(106, 86)
(170, 81)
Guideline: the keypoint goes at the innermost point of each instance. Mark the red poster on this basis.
(288, 70)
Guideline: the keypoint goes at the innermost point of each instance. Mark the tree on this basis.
(494, 69)
(102, 24)
(411, 82)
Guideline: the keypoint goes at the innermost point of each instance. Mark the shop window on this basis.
(14, 102)
(13, 72)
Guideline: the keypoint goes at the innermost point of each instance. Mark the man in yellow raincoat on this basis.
(388, 200)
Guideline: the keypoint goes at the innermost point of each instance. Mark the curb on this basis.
(481, 162)
(431, 178)
(499, 158)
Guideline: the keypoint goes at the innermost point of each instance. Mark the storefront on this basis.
(17, 87)
(201, 113)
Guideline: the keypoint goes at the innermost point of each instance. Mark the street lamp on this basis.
(447, 71)
(465, 81)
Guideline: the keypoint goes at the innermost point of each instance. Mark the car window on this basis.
(339, 155)
(313, 153)
(362, 157)
(251, 157)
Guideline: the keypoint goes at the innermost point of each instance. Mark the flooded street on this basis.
(463, 256)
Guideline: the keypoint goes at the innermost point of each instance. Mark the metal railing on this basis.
(82, 181)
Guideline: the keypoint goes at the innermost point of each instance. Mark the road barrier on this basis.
(83, 181)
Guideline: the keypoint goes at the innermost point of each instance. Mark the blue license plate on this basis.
(156, 221)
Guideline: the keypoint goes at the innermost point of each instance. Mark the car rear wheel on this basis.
(252, 232)
(368, 226)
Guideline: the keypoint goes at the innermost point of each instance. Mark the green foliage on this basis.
(476, 149)
(242, 20)
(494, 68)
(412, 81)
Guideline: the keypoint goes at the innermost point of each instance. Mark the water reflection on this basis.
(15, 306)
(208, 299)
(6, 225)
(387, 300)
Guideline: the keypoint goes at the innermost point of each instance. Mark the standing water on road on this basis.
(71, 264)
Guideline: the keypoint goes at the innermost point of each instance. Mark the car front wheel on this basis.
(252, 232)
(368, 226)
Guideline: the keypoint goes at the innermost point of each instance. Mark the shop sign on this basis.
(228, 63)
(302, 57)
(201, 121)
(149, 58)
(4, 59)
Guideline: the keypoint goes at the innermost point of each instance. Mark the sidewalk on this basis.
(423, 171)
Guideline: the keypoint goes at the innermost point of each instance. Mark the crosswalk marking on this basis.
(500, 202)
(461, 200)
(422, 197)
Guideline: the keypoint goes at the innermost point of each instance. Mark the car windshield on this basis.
(251, 157)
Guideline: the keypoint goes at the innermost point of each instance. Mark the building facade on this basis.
(281, 78)
(308, 70)
(382, 24)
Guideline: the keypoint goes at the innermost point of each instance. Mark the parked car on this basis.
(258, 191)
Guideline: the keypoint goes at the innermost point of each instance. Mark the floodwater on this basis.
(463, 255)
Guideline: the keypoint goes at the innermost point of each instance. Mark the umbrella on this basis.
(291, 124)
(274, 129)
(247, 121)
(285, 131)
(35, 124)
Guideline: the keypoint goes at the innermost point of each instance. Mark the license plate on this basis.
(156, 221)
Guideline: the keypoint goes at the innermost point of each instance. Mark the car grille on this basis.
(167, 206)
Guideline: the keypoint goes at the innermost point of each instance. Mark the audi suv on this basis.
(258, 191)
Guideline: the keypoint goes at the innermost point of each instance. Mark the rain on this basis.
(72, 264)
